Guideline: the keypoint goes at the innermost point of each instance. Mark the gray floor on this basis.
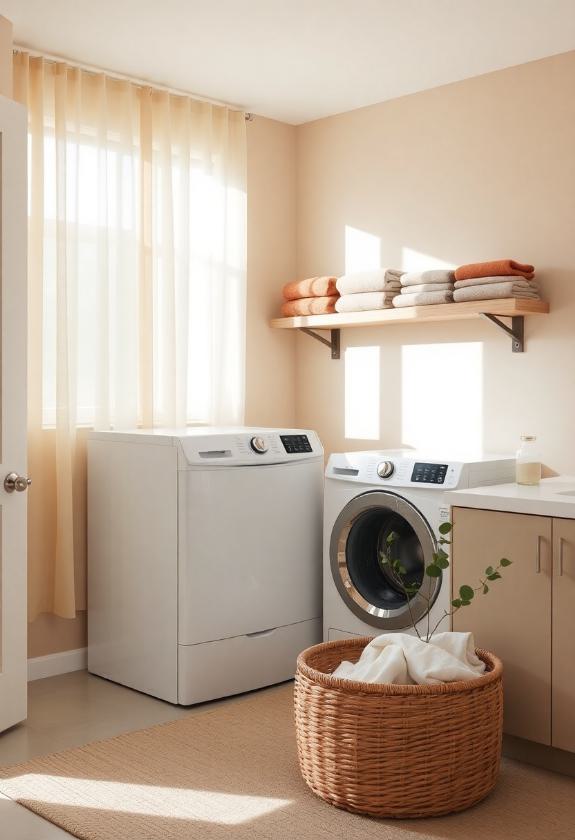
(69, 711)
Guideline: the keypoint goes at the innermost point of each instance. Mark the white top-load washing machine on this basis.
(370, 495)
(204, 558)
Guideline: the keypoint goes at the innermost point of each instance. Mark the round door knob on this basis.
(385, 469)
(259, 445)
(13, 481)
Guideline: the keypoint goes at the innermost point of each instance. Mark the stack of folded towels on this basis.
(422, 288)
(314, 296)
(495, 279)
(364, 290)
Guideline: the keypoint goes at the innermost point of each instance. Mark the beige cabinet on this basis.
(514, 618)
(563, 635)
(528, 618)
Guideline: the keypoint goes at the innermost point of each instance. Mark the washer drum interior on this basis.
(358, 541)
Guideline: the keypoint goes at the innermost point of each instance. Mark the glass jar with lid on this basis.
(528, 464)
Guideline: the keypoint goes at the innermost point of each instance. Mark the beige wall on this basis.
(483, 168)
(5, 57)
(270, 385)
(51, 634)
(270, 359)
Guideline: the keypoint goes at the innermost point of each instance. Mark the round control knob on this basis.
(385, 469)
(259, 445)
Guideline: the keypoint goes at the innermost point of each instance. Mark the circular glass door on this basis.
(371, 532)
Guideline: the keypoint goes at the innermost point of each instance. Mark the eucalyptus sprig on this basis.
(440, 562)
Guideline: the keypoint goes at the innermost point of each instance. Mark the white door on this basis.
(13, 304)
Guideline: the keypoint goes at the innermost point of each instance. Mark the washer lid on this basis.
(227, 445)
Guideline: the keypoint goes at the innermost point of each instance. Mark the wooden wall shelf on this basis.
(514, 308)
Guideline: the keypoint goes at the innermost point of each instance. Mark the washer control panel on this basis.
(409, 468)
(296, 444)
(429, 473)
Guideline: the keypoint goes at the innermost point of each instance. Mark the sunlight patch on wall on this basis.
(362, 393)
(169, 803)
(412, 260)
(362, 250)
(442, 397)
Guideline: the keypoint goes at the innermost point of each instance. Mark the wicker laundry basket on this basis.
(396, 750)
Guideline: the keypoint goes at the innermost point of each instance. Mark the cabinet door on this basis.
(563, 659)
(514, 619)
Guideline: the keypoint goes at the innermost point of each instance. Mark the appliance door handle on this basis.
(538, 555)
(561, 542)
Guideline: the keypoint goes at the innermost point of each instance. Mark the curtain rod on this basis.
(143, 83)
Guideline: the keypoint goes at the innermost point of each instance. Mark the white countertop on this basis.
(552, 497)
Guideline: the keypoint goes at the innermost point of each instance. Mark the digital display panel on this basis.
(429, 473)
(296, 443)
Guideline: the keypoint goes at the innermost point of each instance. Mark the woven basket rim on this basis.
(492, 662)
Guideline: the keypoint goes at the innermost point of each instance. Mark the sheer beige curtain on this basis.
(137, 204)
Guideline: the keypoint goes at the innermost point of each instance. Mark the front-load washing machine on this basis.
(368, 497)
(204, 558)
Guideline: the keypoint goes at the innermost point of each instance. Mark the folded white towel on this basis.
(364, 301)
(436, 275)
(377, 280)
(483, 281)
(401, 659)
(495, 290)
(423, 298)
(427, 287)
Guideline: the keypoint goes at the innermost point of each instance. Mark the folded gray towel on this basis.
(427, 287)
(482, 281)
(377, 280)
(364, 301)
(436, 275)
(422, 299)
(488, 291)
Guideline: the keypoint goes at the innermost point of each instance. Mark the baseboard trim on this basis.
(57, 663)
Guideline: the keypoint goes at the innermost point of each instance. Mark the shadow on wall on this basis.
(438, 392)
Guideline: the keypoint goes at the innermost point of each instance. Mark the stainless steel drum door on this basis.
(358, 541)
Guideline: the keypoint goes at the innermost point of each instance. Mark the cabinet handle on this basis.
(561, 541)
(538, 555)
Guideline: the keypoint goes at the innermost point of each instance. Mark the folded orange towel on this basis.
(309, 306)
(312, 287)
(495, 268)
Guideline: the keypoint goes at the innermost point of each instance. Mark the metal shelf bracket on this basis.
(515, 331)
(333, 342)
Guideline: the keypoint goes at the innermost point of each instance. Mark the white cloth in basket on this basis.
(401, 659)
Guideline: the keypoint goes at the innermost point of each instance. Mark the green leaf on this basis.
(456, 603)
(442, 553)
(505, 562)
(465, 603)
(442, 562)
(485, 589)
(494, 576)
(402, 570)
(445, 527)
(489, 570)
(391, 538)
(433, 571)
(466, 593)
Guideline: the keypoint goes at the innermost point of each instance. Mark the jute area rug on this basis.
(231, 772)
